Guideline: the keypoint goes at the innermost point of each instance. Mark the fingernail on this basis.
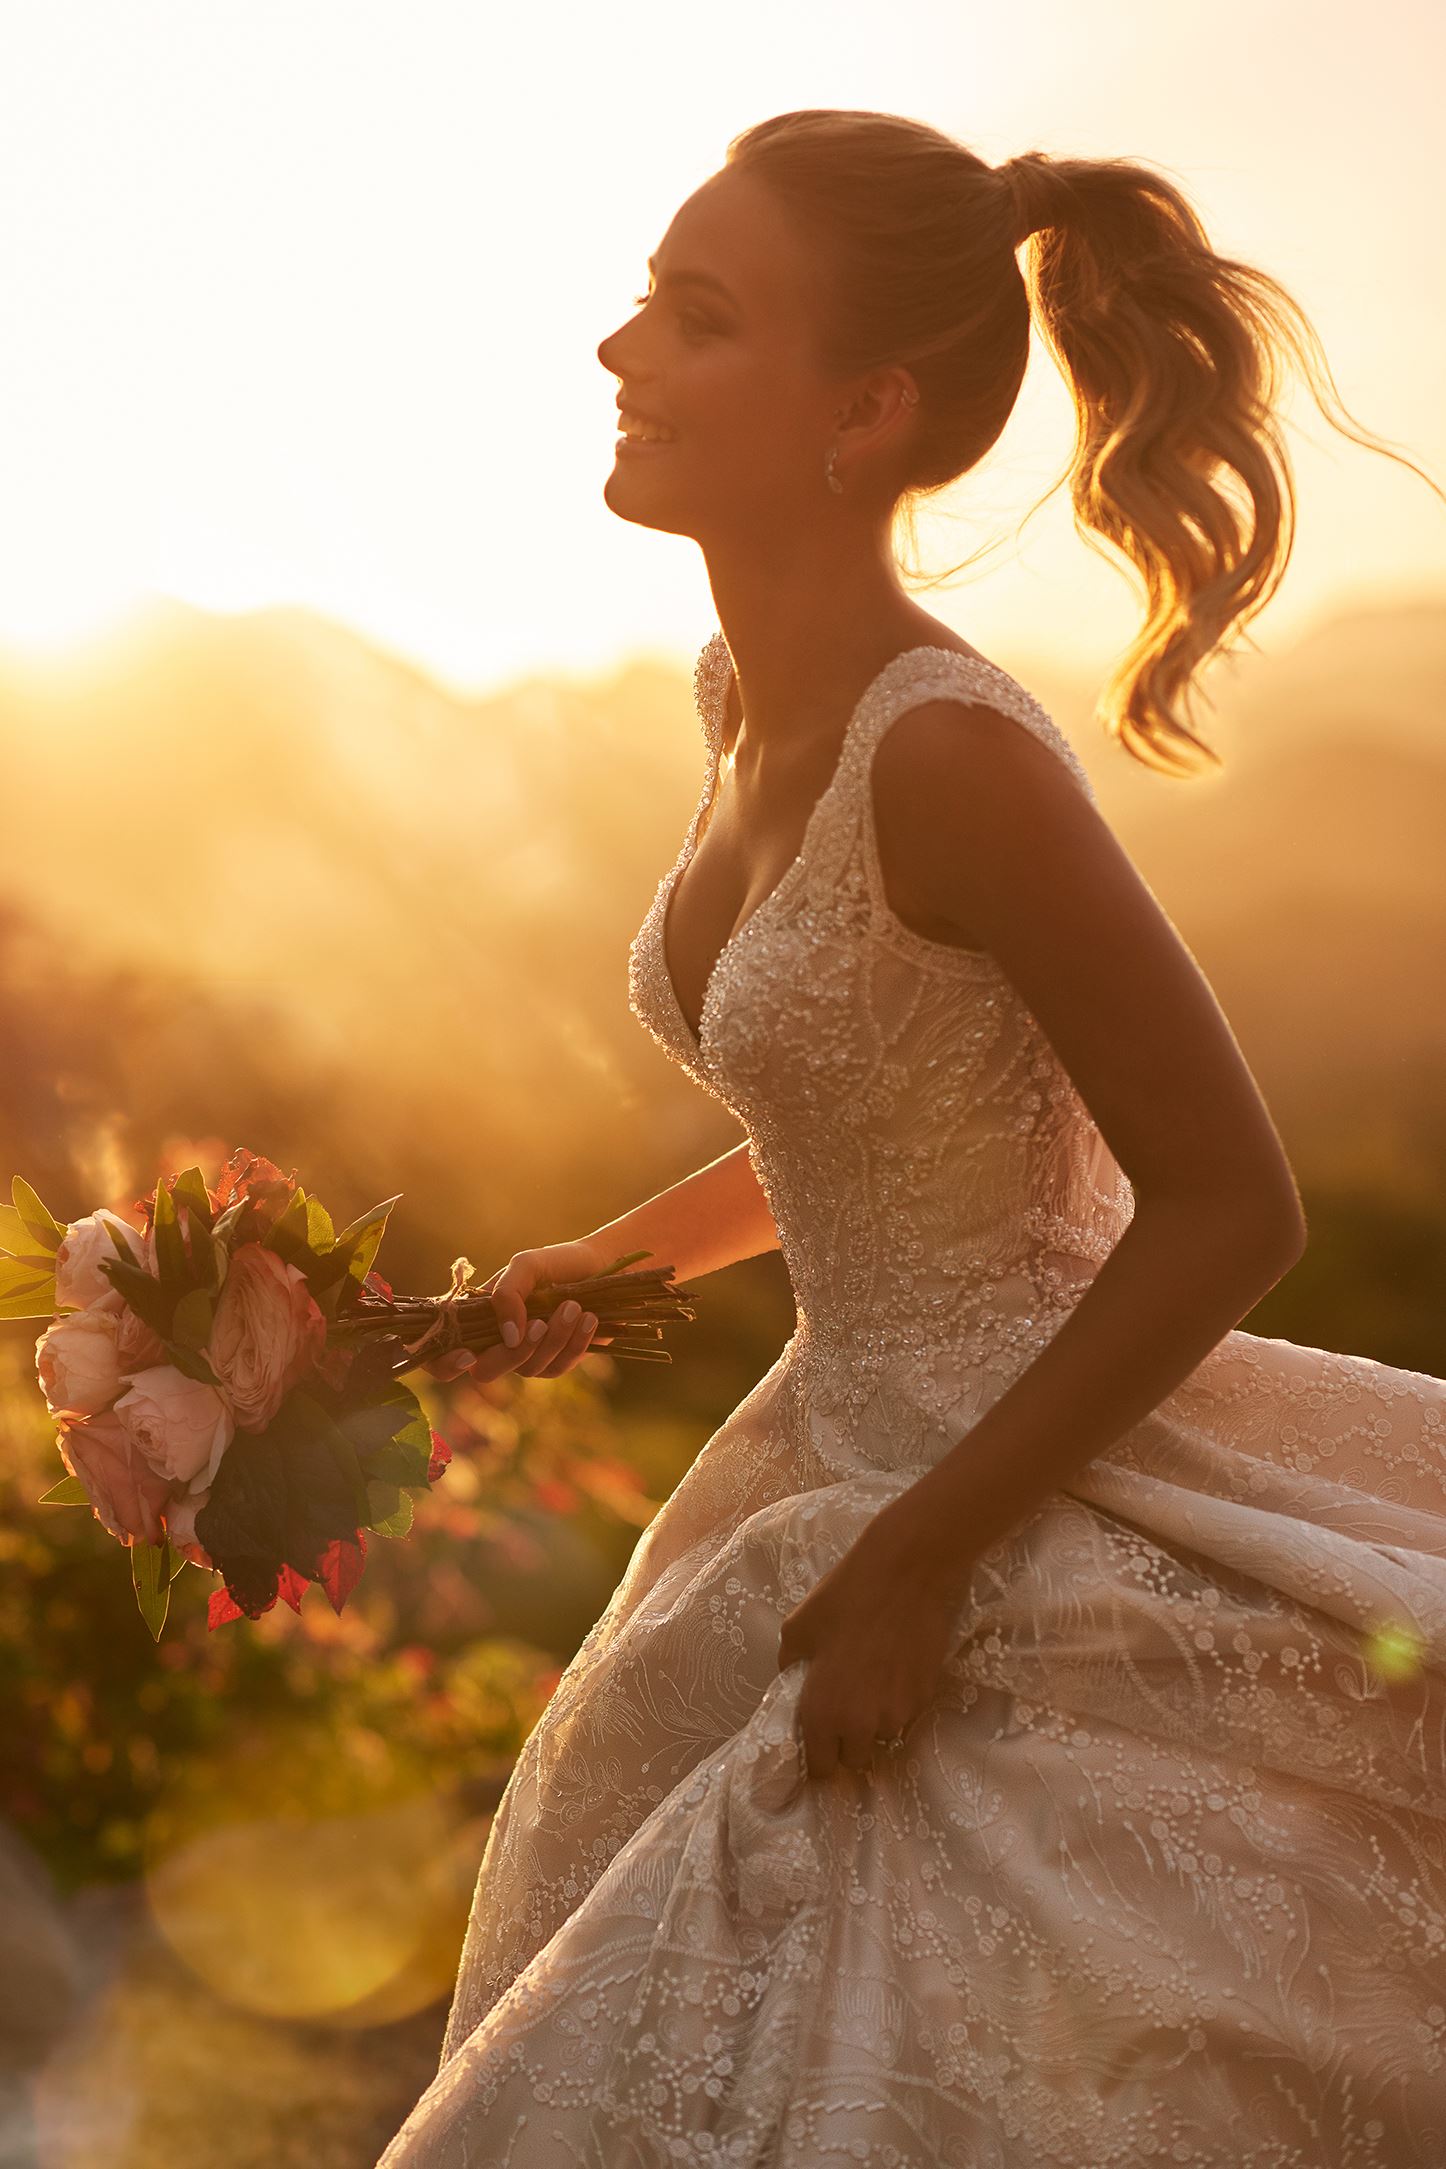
(537, 1328)
(510, 1333)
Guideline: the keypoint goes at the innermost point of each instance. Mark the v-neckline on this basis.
(697, 1040)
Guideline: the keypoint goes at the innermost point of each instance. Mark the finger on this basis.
(575, 1348)
(494, 1362)
(453, 1363)
(509, 1301)
(857, 1751)
(550, 1342)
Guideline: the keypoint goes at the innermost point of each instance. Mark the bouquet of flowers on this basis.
(225, 1378)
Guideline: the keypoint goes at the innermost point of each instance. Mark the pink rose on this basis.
(181, 1526)
(180, 1424)
(77, 1359)
(267, 1333)
(136, 1345)
(79, 1280)
(126, 1494)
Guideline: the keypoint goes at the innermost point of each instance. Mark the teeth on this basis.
(647, 432)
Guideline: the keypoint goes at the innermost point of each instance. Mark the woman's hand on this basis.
(545, 1348)
(876, 1632)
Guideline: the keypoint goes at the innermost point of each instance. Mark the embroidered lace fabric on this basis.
(1160, 1877)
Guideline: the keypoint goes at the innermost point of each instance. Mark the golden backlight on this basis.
(302, 304)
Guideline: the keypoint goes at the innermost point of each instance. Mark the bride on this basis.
(1019, 1738)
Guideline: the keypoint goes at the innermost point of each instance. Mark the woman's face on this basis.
(722, 353)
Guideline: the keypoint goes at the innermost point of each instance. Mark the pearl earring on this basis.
(910, 399)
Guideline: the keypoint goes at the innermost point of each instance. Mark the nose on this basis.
(605, 349)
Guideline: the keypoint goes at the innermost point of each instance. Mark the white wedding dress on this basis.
(1160, 1875)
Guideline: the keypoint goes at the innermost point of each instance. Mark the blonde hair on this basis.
(1172, 353)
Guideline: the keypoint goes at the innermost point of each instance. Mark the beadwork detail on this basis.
(1161, 1876)
(913, 1130)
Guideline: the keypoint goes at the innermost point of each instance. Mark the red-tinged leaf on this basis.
(377, 1285)
(441, 1455)
(222, 1608)
(290, 1585)
(339, 1567)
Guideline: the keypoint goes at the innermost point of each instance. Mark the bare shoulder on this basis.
(999, 837)
(967, 800)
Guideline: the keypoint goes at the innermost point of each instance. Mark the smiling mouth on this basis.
(642, 429)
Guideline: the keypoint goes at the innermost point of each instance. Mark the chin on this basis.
(641, 504)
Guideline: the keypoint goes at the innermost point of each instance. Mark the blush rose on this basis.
(267, 1333)
(181, 1425)
(126, 1494)
(79, 1280)
(78, 1361)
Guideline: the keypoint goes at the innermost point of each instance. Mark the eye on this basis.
(685, 316)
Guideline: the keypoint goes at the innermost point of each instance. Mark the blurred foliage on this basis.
(1370, 1280)
(430, 1677)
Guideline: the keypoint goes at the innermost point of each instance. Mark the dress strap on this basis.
(844, 853)
(928, 674)
(712, 676)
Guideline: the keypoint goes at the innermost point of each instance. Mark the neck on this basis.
(804, 640)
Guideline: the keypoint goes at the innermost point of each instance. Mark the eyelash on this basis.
(640, 301)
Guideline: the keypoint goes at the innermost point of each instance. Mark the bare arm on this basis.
(1003, 843)
(708, 1220)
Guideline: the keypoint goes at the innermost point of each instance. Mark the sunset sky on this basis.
(302, 298)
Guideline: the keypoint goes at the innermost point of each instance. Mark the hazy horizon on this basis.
(287, 331)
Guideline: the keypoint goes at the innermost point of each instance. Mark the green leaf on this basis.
(127, 1239)
(144, 1293)
(320, 1234)
(389, 1509)
(189, 1188)
(390, 1434)
(401, 1461)
(224, 1224)
(171, 1261)
(151, 1574)
(191, 1324)
(70, 1491)
(279, 1498)
(14, 1235)
(288, 1232)
(27, 1290)
(40, 1224)
(205, 1262)
(356, 1246)
(191, 1362)
(29, 1240)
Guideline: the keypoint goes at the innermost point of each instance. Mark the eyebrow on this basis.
(691, 278)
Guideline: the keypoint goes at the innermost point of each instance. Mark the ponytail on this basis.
(1173, 356)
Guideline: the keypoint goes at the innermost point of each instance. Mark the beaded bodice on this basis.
(942, 1194)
